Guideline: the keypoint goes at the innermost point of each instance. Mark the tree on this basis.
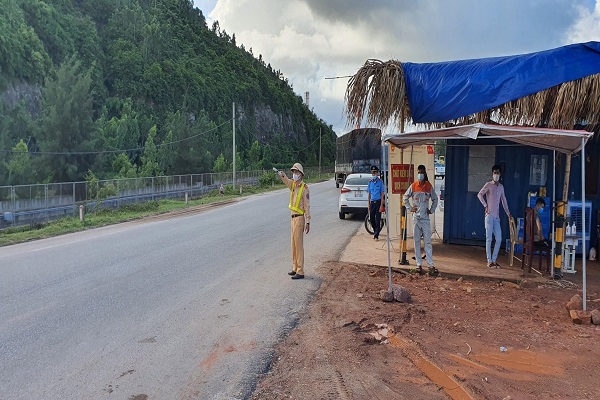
(167, 155)
(66, 128)
(239, 165)
(119, 132)
(122, 167)
(267, 157)
(220, 164)
(254, 160)
(150, 166)
(19, 165)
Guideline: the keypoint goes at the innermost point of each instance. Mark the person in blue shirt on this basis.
(376, 200)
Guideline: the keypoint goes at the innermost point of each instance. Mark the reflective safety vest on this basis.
(297, 202)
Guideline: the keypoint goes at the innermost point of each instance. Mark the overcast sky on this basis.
(310, 40)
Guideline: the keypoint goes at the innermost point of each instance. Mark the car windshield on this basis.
(357, 180)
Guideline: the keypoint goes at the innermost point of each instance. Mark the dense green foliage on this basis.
(132, 87)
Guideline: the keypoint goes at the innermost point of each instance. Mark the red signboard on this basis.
(402, 177)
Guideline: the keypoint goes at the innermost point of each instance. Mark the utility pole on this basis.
(233, 113)
(319, 150)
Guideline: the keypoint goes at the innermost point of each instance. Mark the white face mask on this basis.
(296, 177)
(421, 177)
(496, 177)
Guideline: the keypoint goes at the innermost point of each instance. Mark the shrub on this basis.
(268, 179)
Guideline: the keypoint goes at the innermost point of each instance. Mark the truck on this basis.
(357, 151)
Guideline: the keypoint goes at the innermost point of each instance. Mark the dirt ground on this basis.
(445, 345)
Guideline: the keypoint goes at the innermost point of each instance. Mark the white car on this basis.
(353, 196)
(440, 170)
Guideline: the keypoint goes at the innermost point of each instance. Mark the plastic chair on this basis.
(514, 240)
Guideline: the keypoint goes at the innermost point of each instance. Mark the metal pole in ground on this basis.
(404, 260)
(553, 212)
(387, 213)
(233, 118)
(583, 254)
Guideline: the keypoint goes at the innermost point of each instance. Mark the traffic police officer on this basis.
(376, 200)
(300, 209)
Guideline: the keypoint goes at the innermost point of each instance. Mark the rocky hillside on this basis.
(141, 88)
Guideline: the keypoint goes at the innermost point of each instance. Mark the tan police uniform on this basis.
(300, 213)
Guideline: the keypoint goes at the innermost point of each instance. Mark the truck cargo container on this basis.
(356, 152)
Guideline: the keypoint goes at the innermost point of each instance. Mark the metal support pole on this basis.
(553, 212)
(404, 260)
(387, 212)
(583, 254)
(234, 155)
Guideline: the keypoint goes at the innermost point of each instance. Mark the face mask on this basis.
(420, 177)
(496, 177)
(296, 177)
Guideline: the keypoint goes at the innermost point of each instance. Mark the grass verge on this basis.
(104, 216)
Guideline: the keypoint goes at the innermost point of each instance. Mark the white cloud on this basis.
(309, 40)
(587, 28)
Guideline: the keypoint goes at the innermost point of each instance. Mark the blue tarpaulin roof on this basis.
(439, 92)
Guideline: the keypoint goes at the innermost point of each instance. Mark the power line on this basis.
(282, 150)
(69, 153)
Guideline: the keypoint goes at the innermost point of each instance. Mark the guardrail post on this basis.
(13, 196)
(82, 213)
(46, 202)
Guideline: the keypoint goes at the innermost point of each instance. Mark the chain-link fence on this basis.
(32, 204)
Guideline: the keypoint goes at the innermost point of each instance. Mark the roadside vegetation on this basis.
(102, 216)
(135, 88)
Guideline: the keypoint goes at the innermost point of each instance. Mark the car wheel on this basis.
(342, 215)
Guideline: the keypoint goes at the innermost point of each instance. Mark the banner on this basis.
(402, 177)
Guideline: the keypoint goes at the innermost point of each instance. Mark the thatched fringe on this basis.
(560, 107)
(379, 89)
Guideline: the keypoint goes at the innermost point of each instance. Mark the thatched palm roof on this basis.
(376, 94)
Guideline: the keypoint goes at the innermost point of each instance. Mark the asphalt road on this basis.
(184, 308)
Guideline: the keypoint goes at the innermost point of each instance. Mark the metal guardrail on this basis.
(32, 204)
